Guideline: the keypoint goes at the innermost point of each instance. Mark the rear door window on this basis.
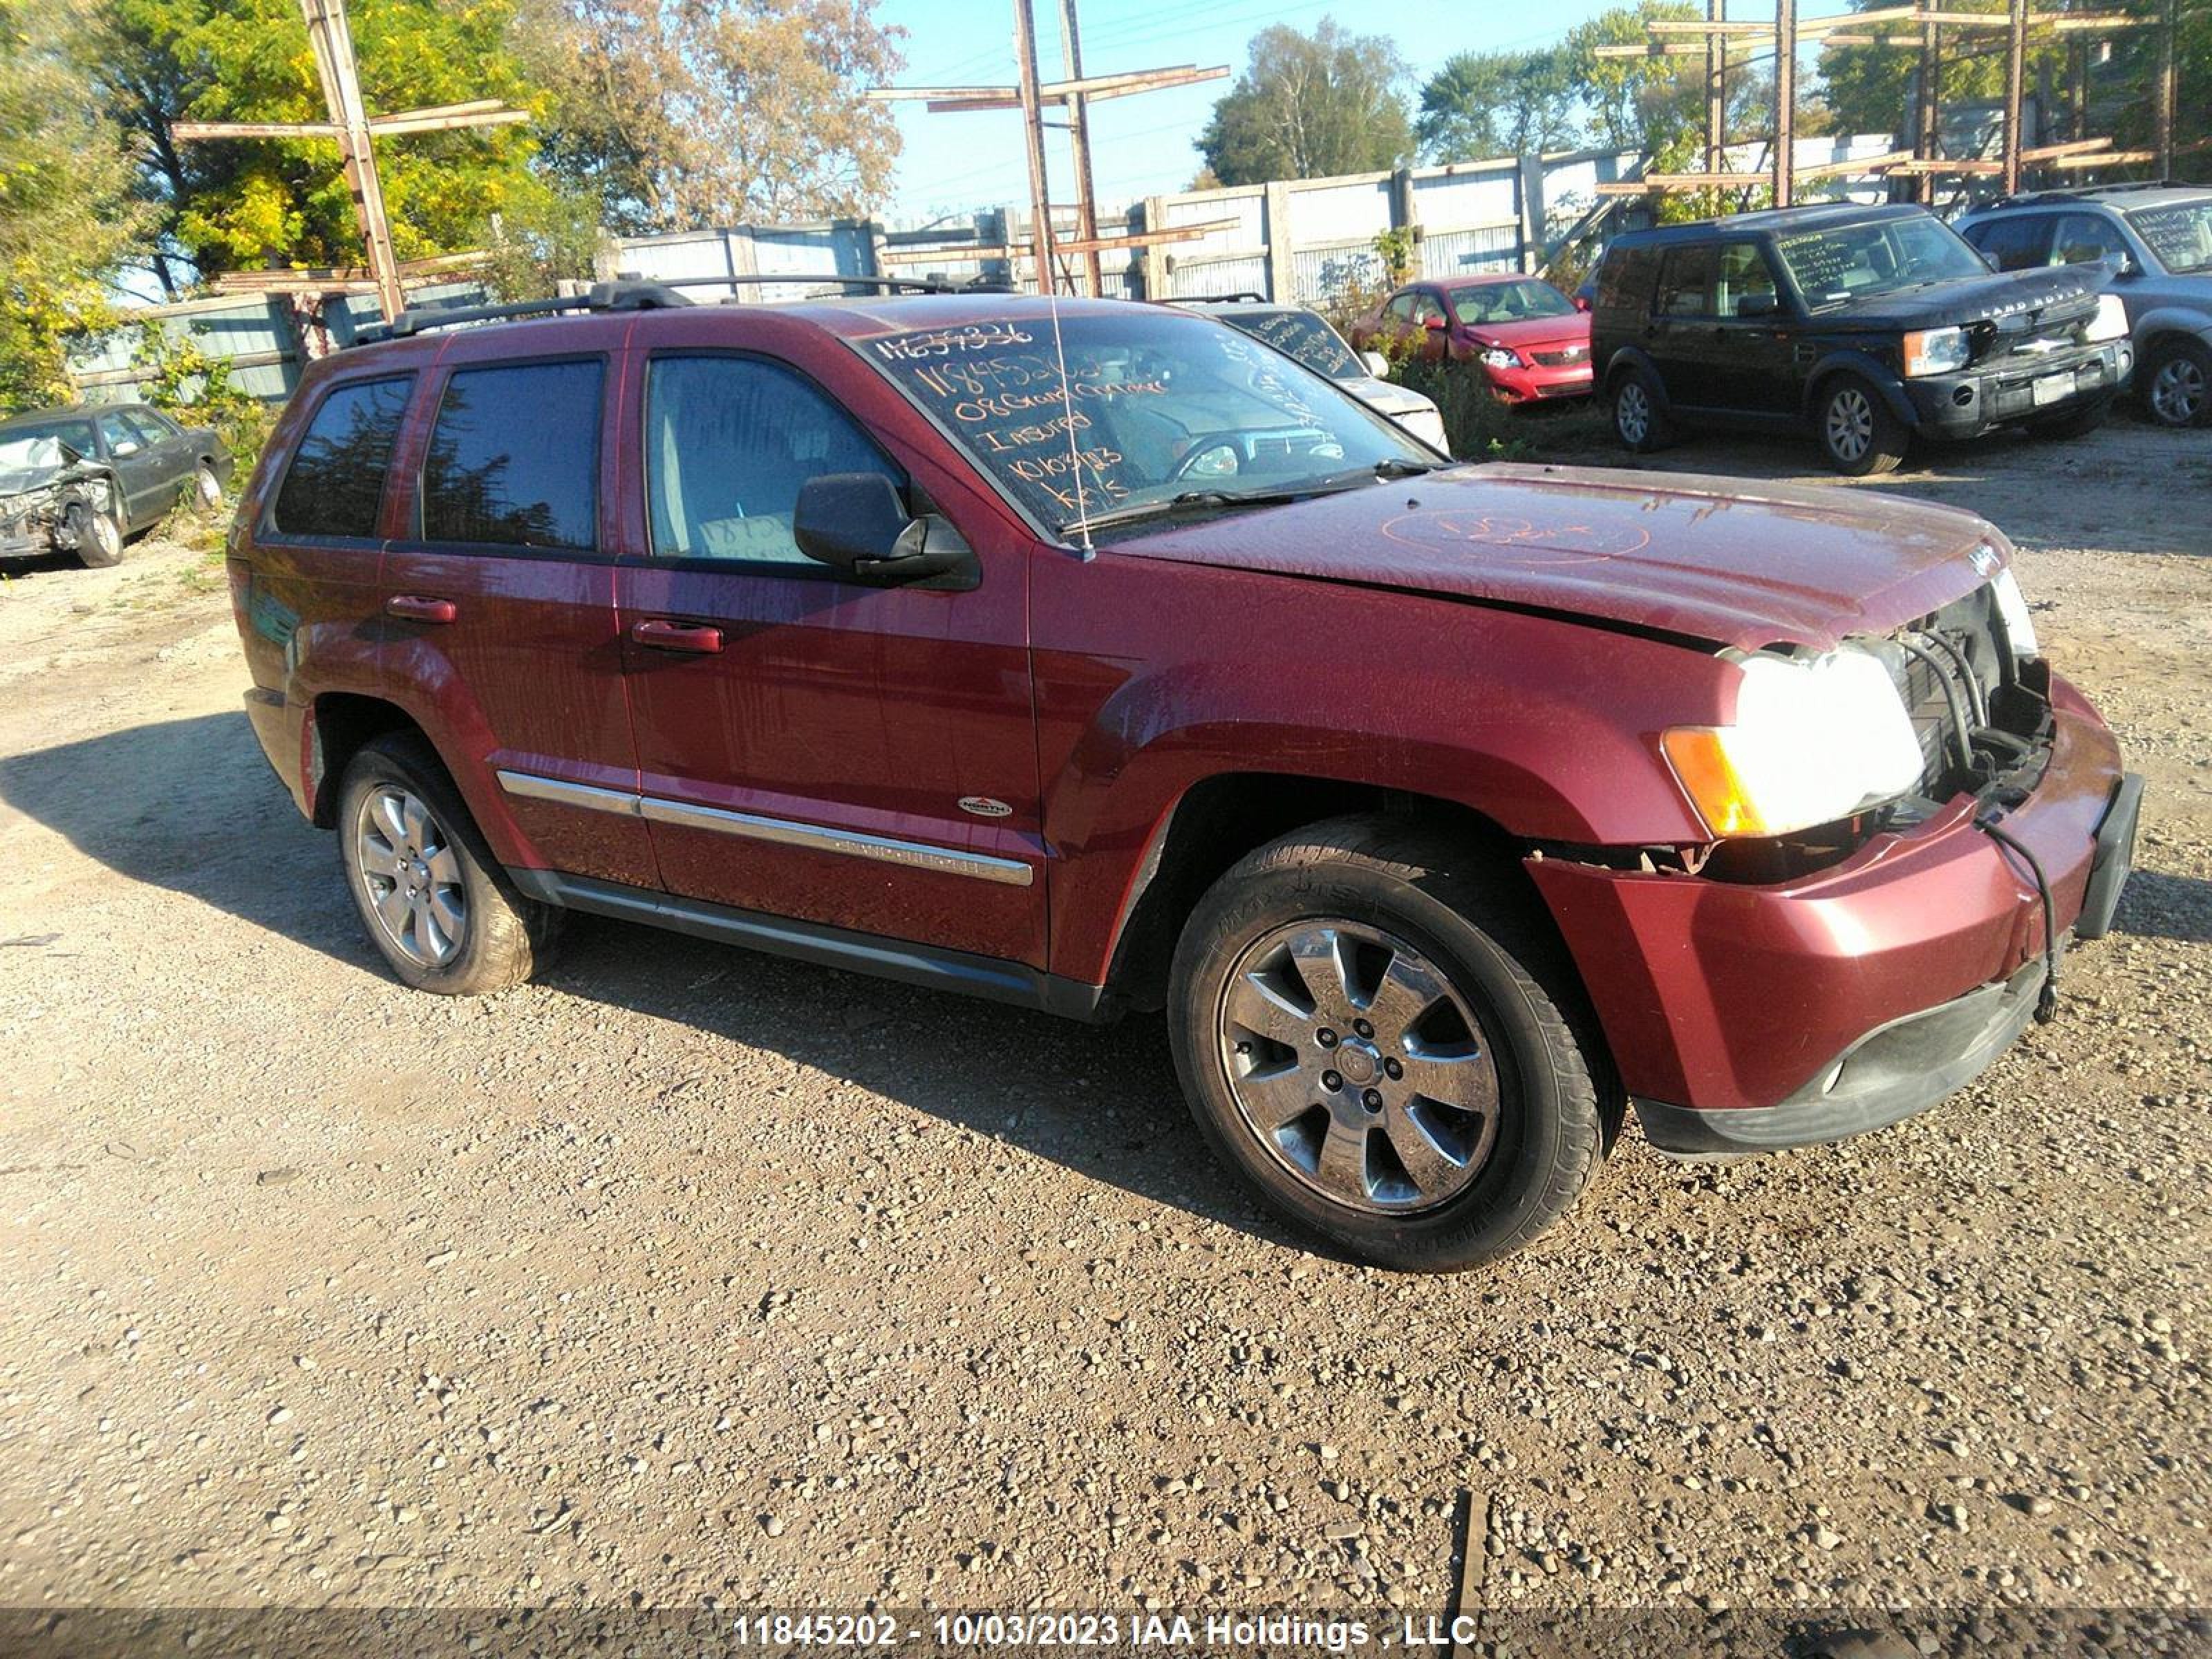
(728, 442)
(1623, 279)
(513, 460)
(2085, 239)
(2016, 242)
(1685, 283)
(335, 481)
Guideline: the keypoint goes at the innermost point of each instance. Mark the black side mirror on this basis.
(1757, 305)
(856, 523)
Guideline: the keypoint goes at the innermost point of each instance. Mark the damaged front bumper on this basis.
(1752, 1018)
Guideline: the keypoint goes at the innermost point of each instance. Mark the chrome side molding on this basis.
(751, 826)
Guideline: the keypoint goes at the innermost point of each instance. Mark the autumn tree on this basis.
(239, 204)
(677, 113)
(67, 218)
(1308, 105)
(1482, 104)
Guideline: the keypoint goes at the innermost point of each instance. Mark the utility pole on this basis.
(355, 131)
(1025, 61)
(1785, 101)
(2163, 95)
(1033, 96)
(2015, 77)
(1078, 141)
(1927, 125)
(1716, 87)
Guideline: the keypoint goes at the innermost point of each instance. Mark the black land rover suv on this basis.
(1869, 323)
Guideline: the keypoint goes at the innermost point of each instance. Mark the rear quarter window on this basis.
(335, 482)
(2018, 242)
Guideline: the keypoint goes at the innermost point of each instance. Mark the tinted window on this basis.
(2016, 242)
(728, 441)
(1685, 283)
(1744, 274)
(1623, 279)
(514, 457)
(336, 477)
(2084, 239)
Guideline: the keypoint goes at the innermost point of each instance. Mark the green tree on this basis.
(227, 204)
(67, 218)
(1636, 103)
(1484, 103)
(1308, 105)
(676, 114)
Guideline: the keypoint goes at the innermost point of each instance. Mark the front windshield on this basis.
(2179, 236)
(26, 448)
(1301, 335)
(1509, 302)
(1155, 404)
(1831, 267)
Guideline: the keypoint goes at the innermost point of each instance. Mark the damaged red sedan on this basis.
(1099, 659)
(1530, 340)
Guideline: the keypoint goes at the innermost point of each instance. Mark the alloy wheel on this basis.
(1849, 424)
(1357, 1066)
(2178, 391)
(1631, 413)
(412, 877)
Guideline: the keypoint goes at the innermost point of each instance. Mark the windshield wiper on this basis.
(1189, 501)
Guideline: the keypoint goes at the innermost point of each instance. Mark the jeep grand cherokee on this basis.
(1095, 657)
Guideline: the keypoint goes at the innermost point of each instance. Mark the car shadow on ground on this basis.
(2154, 905)
(189, 805)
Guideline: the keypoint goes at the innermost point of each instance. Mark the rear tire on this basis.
(1637, 420)
(1432, 1139)
(432, 898)
(99, 537)
(2177, 383)
(207, 489)
(1857, 433)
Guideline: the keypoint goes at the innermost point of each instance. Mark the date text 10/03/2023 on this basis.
(1281, 1632)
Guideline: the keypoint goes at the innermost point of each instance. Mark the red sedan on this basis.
(1531, 340)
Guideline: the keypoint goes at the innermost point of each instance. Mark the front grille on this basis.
(1952, 669)
(1560, 359)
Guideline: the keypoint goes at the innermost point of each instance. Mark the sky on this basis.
(1140, 145)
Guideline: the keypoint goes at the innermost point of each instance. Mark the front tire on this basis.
(98, 538)
(434, 900)
(1859, 434)
(1377, 1034)
(2178, 384)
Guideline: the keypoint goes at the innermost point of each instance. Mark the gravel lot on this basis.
(687, 1278)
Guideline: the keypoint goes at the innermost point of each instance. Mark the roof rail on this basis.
(835, 279)
(1247, 297)
(601, 296)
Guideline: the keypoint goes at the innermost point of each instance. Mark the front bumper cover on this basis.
(1966, 404)
(1823, 1007)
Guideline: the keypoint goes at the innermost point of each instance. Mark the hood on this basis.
(1718, 559)
(2016, 301)
(1533, 331)
(22, 480)
(1387, 397)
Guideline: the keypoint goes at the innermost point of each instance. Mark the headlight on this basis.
(2011, 610)
(2111, 322)
(1935, 351)
(1500, 357)
(1813, 740)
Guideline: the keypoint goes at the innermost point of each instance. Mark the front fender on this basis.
(1868, 368)
(1153, 680)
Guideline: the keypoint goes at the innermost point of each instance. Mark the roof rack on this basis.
(630, 295)
(2085, 192)
(631, 292)
(835, 279)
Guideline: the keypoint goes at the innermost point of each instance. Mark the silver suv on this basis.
(2157, 240)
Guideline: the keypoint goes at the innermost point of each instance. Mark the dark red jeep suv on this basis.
(1097, 657)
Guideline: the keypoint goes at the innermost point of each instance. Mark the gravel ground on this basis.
(689, 1279)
